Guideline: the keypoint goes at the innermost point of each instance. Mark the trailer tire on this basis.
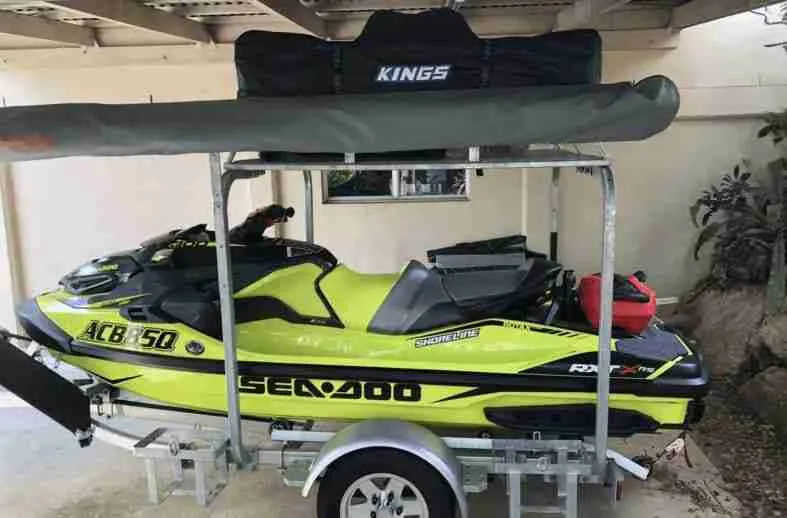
(423, 483)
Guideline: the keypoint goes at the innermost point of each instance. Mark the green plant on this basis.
(734, 215)
(745, 221)
(775, 127)
(336, 178)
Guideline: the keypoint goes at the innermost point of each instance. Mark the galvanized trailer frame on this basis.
(466, 463)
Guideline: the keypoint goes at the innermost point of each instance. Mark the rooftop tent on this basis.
(409, 82)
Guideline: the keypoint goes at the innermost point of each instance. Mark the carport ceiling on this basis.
(112, 23)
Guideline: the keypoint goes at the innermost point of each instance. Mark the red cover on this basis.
(632, 316)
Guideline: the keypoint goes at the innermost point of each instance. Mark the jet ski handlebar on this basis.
(260, 220)
(250, 231)
(274, 213)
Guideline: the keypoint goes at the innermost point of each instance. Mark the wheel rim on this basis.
(383, 495)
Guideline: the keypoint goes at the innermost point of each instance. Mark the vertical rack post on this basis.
(605, 324)
(309, 205)
(554, 211)
(224, 265)
(473, 155)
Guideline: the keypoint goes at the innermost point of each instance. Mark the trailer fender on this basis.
(399, 435)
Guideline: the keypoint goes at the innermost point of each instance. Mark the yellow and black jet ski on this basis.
(500, 343)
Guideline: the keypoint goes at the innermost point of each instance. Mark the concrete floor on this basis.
(44, 474)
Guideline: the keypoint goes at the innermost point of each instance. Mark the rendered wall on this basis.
(383, 237)
(68, 211)
(657, 180)
(727, 78)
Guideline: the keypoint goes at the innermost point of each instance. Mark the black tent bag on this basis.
(431, 50)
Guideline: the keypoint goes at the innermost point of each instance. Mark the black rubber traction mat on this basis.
(44, 389)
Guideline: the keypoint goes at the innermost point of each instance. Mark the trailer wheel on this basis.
(383, 483)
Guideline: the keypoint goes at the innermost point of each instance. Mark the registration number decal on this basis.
(130, 335)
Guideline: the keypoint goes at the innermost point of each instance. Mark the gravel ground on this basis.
(751, 458)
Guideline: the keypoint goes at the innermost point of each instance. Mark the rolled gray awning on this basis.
(348, 123)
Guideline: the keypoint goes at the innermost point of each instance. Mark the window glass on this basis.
(396, 185)
(434, 182)
(359, 183)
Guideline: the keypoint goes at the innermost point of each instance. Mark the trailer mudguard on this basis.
(399, 435)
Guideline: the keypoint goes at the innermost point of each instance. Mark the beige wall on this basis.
(657, 180)
(726, 78)
(382, 237)
(67, 211)
(70, 211)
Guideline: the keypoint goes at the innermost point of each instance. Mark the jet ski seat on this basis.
(424, 299)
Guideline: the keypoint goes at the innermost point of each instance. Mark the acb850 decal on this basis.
(353, 390)
(133, 335)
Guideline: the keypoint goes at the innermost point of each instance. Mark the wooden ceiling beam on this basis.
(585, 13)
(31, 26)
(296, 13)
(134, 14)
(701, 11)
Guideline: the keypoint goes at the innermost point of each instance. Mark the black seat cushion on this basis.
(424, 299)
(417, 301)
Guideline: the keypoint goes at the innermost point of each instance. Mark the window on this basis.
(397, 185)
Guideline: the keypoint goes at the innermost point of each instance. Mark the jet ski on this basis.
(490, 336)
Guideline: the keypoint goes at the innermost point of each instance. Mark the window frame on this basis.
(396, 196)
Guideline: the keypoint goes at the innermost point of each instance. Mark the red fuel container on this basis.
(633, 307)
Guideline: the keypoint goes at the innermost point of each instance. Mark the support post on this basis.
(309, 205)
(514, 494)
(572, 495)
(150, 473)
(554, 210)
(10, 263)
(605, 323)
(224, 265)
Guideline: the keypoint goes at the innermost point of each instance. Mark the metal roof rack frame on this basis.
(224, 174)
(464, 463)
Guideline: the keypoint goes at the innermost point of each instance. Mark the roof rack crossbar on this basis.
(538, 158)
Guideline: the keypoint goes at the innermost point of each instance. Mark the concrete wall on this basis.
(67, 211)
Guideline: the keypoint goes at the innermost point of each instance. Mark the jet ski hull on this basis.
(490, 374)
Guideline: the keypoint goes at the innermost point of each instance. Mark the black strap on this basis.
(337, 70)
(485, 64)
